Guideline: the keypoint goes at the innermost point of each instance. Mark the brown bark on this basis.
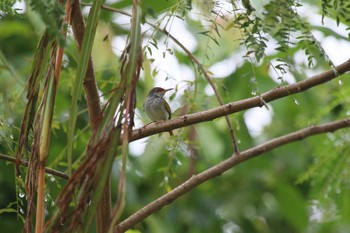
(95, 113)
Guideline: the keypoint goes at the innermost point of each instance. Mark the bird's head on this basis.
(158, 91)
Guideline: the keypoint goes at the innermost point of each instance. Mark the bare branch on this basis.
(240, 105)
(225, 165)
(25, 163)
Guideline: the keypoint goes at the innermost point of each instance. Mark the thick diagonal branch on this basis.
(225, 165)
(240, 105)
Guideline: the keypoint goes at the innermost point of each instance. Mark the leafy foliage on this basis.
(51, 13)
(339, 9)
(6, 7)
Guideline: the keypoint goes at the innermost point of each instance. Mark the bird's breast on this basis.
(155, 109)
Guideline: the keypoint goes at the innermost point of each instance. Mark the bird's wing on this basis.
(167, 108)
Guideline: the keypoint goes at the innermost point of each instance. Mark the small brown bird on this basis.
(156, 106)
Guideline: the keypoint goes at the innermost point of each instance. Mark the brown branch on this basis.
(95, 112)
(25, 163)
(92, 97)
(240, 105)
(225, 165)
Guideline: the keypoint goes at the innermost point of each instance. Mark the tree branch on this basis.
(90, 85)
(240, 105)
(95, 112)
(25, 163)
(225, 165)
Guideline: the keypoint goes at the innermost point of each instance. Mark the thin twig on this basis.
(225, 165)
(207, 77)
(25, 163)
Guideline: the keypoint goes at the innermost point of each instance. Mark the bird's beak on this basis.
(168, 89)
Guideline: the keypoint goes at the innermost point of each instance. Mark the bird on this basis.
(156, 107)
